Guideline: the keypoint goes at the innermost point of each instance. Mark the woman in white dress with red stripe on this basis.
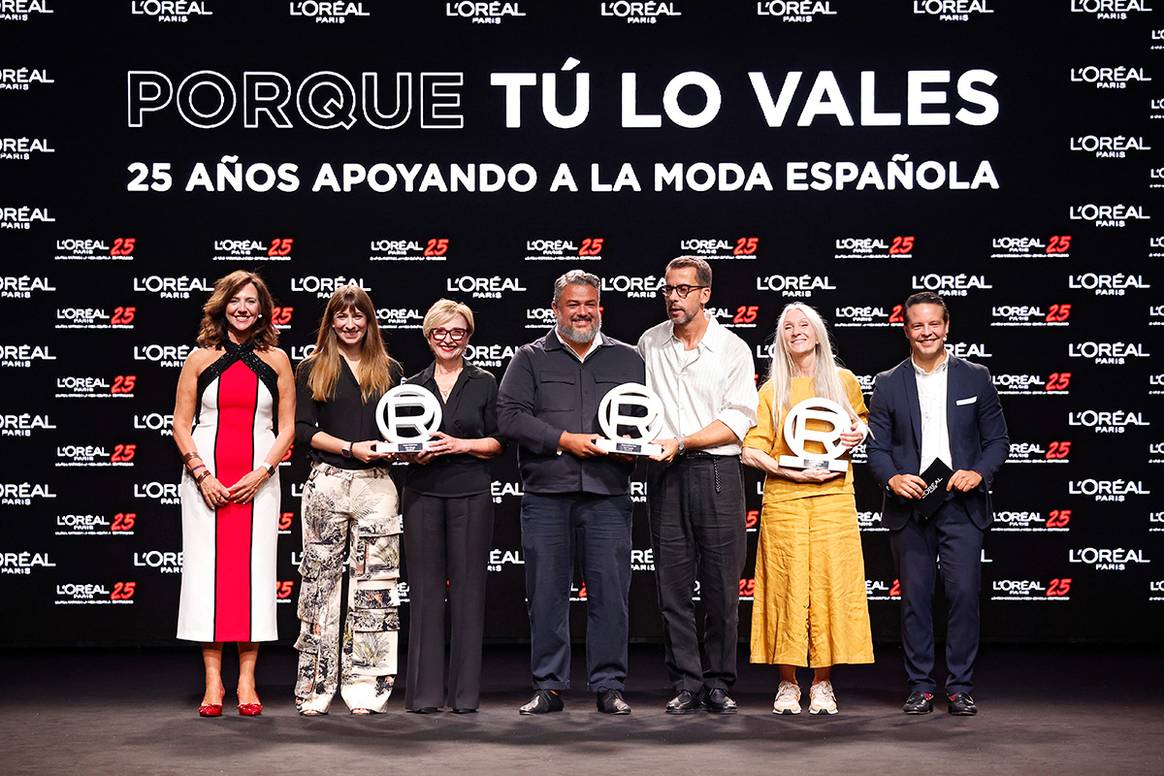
(234, 420)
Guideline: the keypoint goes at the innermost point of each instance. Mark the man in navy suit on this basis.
(936, 406)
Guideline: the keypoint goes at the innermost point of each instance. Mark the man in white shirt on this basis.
(705, 377)
(933, 406)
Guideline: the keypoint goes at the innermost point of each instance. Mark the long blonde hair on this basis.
(826, 382)
(374, 372)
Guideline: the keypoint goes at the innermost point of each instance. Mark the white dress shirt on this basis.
(931, 394)
(714, 381)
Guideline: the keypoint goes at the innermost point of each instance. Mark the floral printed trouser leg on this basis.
(349, 516)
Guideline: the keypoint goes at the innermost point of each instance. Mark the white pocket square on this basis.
(969, 400)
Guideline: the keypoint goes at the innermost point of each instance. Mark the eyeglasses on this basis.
(453, 335)
(682, 290)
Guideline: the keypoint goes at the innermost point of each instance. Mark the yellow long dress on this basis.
(809, 604)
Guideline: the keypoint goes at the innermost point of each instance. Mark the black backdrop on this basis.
(1045, 240)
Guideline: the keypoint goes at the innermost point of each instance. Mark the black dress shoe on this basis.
(919, 703)
(464, 711)
(611, 702)
(717, 701)
(425, 710)
(960, 704)
(543, 702)
(686, 702)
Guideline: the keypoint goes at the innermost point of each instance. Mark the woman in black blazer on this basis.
(448, 509)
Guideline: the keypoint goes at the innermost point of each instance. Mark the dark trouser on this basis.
(950, 536)
(697, 531)
(446, 539)
(551, 526)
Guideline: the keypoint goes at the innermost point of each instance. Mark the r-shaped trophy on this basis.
(797, 433)
(612, 417)
(420, 425)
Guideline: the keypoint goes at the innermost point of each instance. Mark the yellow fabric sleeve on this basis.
(856, 398)
(762, 436)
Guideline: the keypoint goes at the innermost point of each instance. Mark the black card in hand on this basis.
(937, 476)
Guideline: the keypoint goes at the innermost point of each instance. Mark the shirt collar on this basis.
(469, 370)
(595, 344)
(942, 367)
(712, 338)
(348, 373)
(427, 374)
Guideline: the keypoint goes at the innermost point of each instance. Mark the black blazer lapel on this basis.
(911, 398)
(953, 391)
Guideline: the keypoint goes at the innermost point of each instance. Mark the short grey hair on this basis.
(576, 277)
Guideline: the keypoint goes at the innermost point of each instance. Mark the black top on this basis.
(546, 390)
(346, 415)
(469, 413)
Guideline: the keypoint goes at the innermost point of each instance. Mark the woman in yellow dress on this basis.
(810, 608)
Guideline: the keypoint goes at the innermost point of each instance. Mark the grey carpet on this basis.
(133, 712)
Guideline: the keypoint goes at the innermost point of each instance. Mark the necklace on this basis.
(446, 391)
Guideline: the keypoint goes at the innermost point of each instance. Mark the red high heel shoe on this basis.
(210, 710)
(250, 709)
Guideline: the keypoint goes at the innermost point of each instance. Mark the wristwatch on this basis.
(682, 446)
(347, 451)
(270, 469)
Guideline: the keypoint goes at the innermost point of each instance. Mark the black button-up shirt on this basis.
(469, 413)
(346, 415)
(546, 390)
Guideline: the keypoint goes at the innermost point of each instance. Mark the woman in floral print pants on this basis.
(356, 509)
(350, 513)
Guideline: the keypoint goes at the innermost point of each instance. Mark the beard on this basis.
(579, 337)
(680, 316)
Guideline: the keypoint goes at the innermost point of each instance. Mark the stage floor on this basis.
(1074, 710)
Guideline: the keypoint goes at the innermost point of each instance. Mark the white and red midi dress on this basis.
(228, 554)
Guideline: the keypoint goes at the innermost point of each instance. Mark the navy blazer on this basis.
(978, 436)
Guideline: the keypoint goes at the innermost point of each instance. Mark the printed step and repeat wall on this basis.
(841, 153)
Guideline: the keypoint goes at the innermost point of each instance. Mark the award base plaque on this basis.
(799, 462)
(625, 447)
(400, 447)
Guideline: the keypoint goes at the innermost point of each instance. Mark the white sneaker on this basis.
(821, 699)
(787, 699)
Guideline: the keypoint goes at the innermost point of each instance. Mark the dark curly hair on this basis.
(212, 330)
